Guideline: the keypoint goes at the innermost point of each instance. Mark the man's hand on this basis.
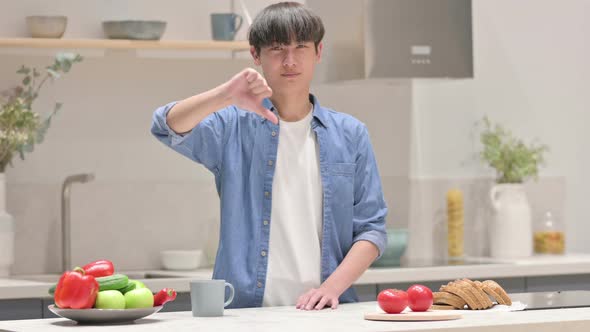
(247, 89)
(318, 298)
(359, 257)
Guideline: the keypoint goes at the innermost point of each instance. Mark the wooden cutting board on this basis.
(414, 316)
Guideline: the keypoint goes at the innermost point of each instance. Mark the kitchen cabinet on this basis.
(182, 303)
(20, 309)
(45, 312)
(553, 283)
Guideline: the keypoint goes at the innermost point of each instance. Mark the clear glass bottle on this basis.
(549, 235)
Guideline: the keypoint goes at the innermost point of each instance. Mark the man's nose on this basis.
(289, 60)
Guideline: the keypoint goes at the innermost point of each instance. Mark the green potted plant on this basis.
(514, 162)
(20, 129)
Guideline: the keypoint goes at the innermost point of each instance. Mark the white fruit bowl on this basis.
(183, 259)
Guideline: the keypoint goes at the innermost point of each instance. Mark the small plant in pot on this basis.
(514, 162)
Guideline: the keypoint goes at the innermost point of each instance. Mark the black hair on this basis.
(283, 23)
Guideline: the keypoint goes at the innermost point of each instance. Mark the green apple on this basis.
(139, 298)
(110, 299)
(138, 284)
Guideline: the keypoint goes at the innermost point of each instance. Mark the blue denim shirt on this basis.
(237, 146)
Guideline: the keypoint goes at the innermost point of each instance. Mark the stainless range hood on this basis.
(395, 39)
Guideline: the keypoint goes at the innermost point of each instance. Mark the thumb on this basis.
(268, 114)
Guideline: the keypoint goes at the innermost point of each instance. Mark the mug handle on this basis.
(231, 294)
(239, 22)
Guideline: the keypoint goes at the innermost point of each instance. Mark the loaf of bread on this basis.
(469, 294)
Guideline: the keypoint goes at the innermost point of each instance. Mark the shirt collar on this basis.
(318, 112)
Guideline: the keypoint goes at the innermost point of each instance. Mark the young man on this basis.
(302, 210)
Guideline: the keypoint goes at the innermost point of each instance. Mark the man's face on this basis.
(288, 67)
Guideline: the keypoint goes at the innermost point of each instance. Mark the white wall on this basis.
(532, 75)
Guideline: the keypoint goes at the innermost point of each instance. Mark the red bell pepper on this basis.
(163, 296)
(100, 268)
(76, 290)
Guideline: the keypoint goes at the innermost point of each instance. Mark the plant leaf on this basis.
(53, 73)
(20, 127)
(56, 108)
(23, 70)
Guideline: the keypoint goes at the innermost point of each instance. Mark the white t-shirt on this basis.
(296, 216)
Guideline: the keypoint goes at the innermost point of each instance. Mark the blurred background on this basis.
(420, 85)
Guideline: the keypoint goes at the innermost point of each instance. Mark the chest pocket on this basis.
(342, 188)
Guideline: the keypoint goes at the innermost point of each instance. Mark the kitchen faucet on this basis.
(66, 258)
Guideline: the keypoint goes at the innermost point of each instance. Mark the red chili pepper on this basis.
(163, 296)
(76, 290)
(100, 268)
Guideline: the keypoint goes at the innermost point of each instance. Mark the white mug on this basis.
(208, 297)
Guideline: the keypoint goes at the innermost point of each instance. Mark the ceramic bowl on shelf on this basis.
(183, 259)
(47, 26)
(134, 29)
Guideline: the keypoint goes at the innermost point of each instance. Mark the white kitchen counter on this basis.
(348, 317)
(18, 287)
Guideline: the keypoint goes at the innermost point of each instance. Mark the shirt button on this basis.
(270, 163)
(259, 284)
(274, 133)
(265, 222)
(263, 253)
(266, 193)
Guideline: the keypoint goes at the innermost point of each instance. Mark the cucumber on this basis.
(129, 287)
(113, 282)
(52, 289)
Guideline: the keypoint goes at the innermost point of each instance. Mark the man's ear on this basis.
(255, 55)
(320, 48)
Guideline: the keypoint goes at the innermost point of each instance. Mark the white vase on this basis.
(511, 231)
(6, 232)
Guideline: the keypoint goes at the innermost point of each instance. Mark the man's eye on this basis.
(301, 46)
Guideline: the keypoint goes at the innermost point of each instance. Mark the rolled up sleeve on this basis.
(370, 210)
(203, 144)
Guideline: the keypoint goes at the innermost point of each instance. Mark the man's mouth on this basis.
(290, 74)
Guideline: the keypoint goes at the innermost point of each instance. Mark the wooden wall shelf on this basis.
(207, 45)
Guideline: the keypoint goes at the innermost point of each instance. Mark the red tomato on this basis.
(392, 301)
(420, 297)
